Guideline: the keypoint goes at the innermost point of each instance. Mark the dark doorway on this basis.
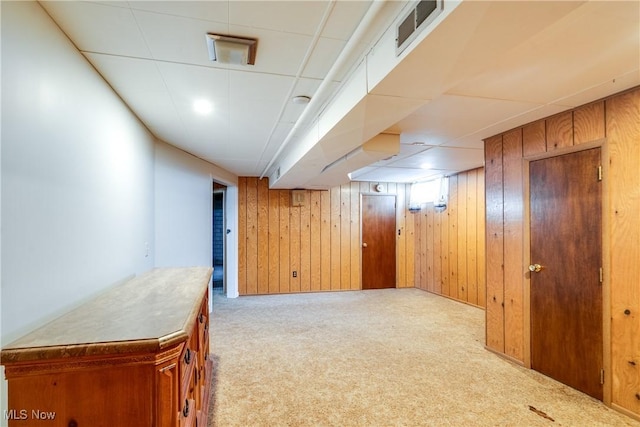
(218, 235)
(566, 257)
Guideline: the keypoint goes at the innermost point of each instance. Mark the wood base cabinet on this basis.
(137, 355)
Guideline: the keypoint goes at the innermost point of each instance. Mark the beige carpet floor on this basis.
(396, 357)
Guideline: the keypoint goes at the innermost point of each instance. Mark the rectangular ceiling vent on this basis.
(418, 18)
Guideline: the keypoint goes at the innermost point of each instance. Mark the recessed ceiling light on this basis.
(301, 99)
(202, 106)
(426, 166)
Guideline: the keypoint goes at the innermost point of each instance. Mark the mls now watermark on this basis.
(24, 414)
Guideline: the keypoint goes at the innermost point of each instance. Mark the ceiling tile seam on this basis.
(488, 98)
(305, 60)
(227, 22)
(185, 128)
(164, 61)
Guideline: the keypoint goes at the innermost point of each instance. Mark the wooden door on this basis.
(378, 242)
(566, 294)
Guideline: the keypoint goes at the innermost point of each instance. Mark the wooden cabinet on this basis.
(137, 355)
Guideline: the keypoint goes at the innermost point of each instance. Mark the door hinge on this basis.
(601, 376)
(601, 275)
(599, 173)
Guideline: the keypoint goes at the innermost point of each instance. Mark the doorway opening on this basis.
(219, 237)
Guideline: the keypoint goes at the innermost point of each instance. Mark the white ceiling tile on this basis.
(299, 17)
(177, 39)
(277, 52)
(273, 145)
(187, 83)
(96, 27)
(444, 158)
(324, 55)
(138, 83)
(389, 174)
(345, 18)
(216, 11)
(239, 166)
(272, 87)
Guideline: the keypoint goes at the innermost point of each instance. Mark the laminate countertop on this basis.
(148, 313)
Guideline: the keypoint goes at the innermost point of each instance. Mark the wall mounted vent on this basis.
(419, 17)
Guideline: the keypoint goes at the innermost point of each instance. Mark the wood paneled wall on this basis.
(614, 124)
(319, 240)
(449, 256)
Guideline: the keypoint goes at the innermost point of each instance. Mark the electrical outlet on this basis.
(295, 273)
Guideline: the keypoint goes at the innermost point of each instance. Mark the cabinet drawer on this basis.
(188, 413)
(203, 324)
(188, 363)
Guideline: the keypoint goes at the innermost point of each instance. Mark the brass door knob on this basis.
(535, 268)
(364, 245)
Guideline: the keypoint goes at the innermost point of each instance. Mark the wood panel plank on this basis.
(401, 237)
(252, 236)
(559, 131)
(294, 248)
(410, 219)
(480, 242)
(263, 236)
(354, 219)
(305, 244)
(424, 270)
(429, 252)
(472, 237)
(316, 238)
(325, 240)
(345, 236)
(534, 138)
(588, 123)
(336, 266)
(444, 252)
(437, 251)
(513, 244)
(274, 242)
(242, 235)
(285, 267)
(463, 277)
(494, 205)
(453, 236)
(623, 134)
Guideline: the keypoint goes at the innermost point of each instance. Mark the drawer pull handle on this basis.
(185, 410)
(187, 357)
(201, 318)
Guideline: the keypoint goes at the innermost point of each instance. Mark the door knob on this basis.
(364, 245)
(535, 268)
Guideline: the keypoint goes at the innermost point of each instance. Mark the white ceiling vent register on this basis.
(231, 50)
(418, 18)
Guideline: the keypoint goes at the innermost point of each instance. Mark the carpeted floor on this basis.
(395, 357)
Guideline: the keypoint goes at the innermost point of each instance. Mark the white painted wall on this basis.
(77, 176)
(184, 208)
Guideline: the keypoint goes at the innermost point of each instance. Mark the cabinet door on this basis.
(167, 405)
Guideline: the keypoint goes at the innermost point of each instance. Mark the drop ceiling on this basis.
(479, 69)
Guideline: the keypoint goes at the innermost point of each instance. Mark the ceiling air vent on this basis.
(418, 18)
